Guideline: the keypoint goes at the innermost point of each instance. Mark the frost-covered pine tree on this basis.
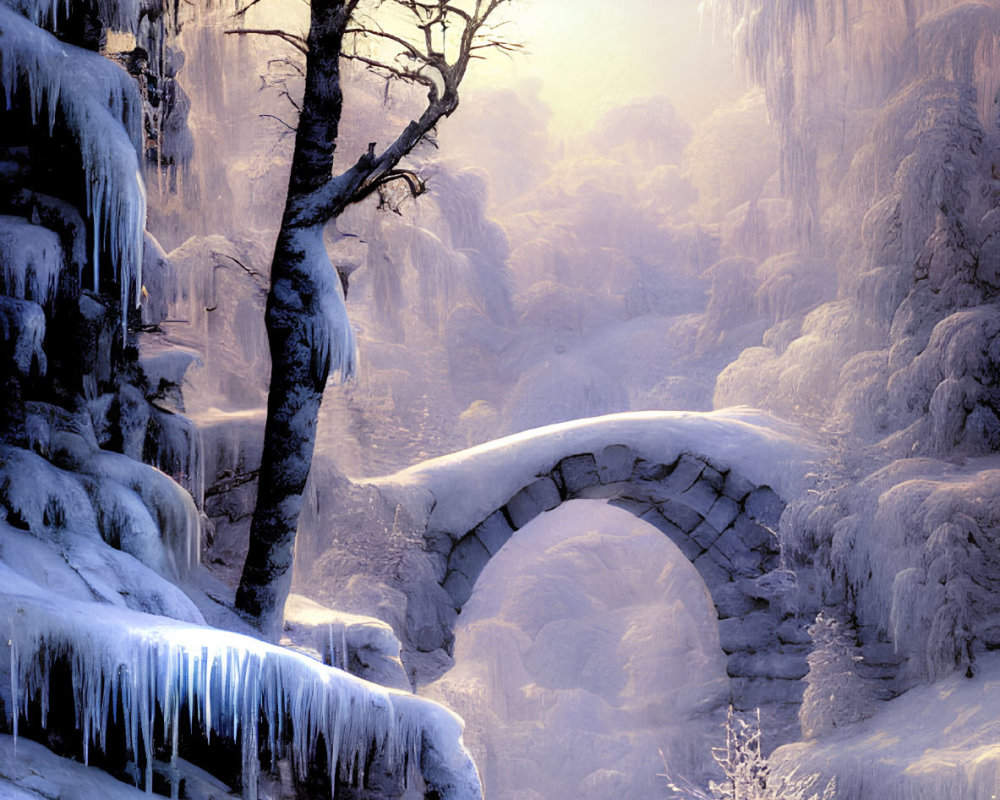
(836, 693)
(309, 335)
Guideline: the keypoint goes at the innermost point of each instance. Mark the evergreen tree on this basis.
(836, 693)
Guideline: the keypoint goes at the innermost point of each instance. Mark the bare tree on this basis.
(429, 44)
(747, 774)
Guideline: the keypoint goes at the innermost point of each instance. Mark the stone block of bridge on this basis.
(578, 472)
(469, 557)
(687, 545)
(538, 496)
(764, 507)
(615, 463)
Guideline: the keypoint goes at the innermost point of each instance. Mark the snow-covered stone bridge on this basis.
(714, 483)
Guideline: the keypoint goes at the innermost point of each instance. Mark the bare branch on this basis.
(254, 274)
(414, 182)
(241, 11)
(411, 49)
(505, 47)
(279, 119)
(400, 73)
(288, 63)
(284, 93)
(373, 172)
(295, 41)
(458, 12)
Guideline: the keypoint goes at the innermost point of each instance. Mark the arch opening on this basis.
(589, 645)
(723, 524)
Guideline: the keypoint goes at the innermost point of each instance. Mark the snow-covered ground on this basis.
(937, 741)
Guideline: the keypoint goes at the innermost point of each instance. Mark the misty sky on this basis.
(590, 55)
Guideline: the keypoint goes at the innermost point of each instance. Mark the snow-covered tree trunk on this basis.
(303, 305)
(308, 331)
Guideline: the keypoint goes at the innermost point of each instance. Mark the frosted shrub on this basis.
(748, 774)
(836, 694)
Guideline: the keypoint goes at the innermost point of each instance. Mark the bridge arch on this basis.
(721, 522)
(715, 484)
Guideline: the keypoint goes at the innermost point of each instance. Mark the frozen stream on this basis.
(589, 644)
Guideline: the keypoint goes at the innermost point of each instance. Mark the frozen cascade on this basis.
(31, 259)
(227, 683)
(173, 509)
(821, 62)
(101, 107)
(53, 534)
(178, 451)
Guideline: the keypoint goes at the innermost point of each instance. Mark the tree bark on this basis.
(303, 305)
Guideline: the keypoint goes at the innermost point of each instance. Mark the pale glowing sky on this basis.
(593, 54)
(589, 56)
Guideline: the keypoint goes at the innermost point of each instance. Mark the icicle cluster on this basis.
(174, 513)
(136, 666)
(100, 105)
(31, 259)
(22, 324)
(116, 15)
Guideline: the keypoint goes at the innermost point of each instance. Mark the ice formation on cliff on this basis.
(100, 105)
(135, 667)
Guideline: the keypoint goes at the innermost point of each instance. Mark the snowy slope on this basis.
(936, 742)
(229, 683)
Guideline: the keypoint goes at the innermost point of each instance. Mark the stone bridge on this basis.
(715, 484)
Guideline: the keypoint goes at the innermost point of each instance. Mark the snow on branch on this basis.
(747, 773)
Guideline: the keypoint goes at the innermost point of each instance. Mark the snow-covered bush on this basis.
(747, 772)
(836, 693)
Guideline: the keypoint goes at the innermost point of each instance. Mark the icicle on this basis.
(14, 683)
(23, 323)
(117, 15)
